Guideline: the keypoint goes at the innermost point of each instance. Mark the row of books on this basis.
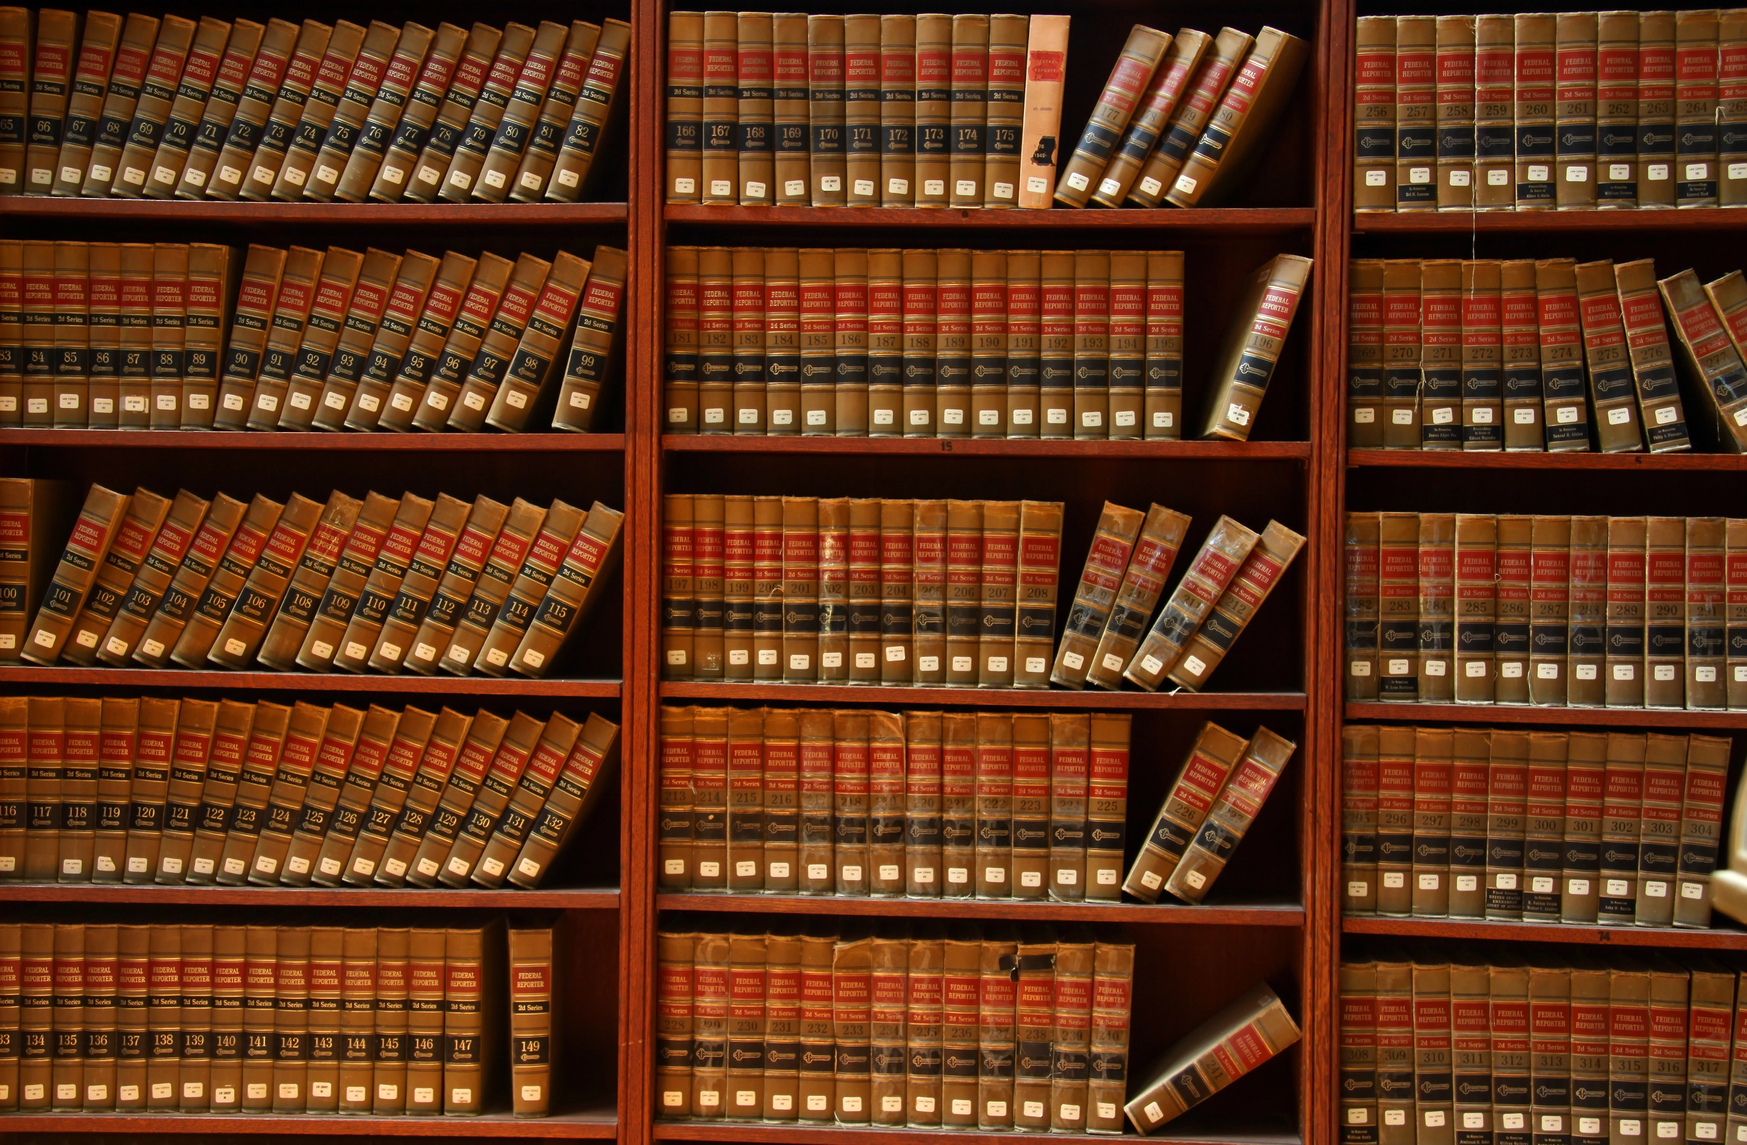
(1183, 119)
(200, 1018)
(173, 108)
(886, 804)
(1435, 1050)
(1487, 355)
(1616, 828)
(956, 343)
(1544, 111)
(1621, 612)
(379, 583)
(233, 793)
(197, 336)
(865, 1026)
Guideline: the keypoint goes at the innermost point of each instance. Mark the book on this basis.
(1199, 781)
(1151, 116)
(1250, 586)
(1257, 1021)
(1240, 800)
(1223, 551)
(76, 575)
(1083, 170)
(1731, 112)
(1009, 37)
(87, 92)
(1362, 616)
(1475, 563)
(1240, 127)
(1700, 829)
(1416, 75)
(1664, 612)
(1695, 121)
(1659, 828)
(1605, 349)
(1567, 419)
(591, 349)
(1440, 354)
(1616, 94)
(1550, 611)
(684, 106)
(1482, 356)
(1455, 113)
(1253, 347)
(1374, 114)
(1706, 577)
(1586, 686)
(861, 109)
(1206, 86)
(51, 76)
(1622, 805)
(826, 144)
(967, 121)
(1652, 360)
(1536, 103)
(1575, 118)
(1585, 804)
(591, 120)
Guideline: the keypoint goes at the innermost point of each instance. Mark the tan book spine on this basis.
(747, 340)
(588, 366)
(1106, 805)
(680, 360)
(151, 779)
(115, 757)
(1005, 109)
(184, 798)
(1127, 343)
(153, 576)
(591, 119)
(1257, 1021)
(210, 283)
(934, 92)
(922, 794)
(1031, 806)
(1549, 611)
(231, 728)
(381, 75)
(578, 788)
(1652, 359)
(511, 99)
(1024, 343)
(1069, 763)
(1440, 354)
(390, 1050)
(69, 355)
(678, 601)
(861, 109)
(1416, 132)
(996, 614)
(573, 592)
(251, 322)
(1706, 616)
(826, 132)
(1199, 781)
(416, 732)
(175, 90)
(1091, 360)
(1536, 94)
(968, 116)
(415, 321)
(921, 336)
(520, 741)
(833, 625)
(1243, 124)
(1206, 86)
(38, 336)
(103, 335)
(534, 1000)
(715, 333)
(304, 522)
(958, 803)
(79, 571)
(89, 84)
(1151, 116)
(482, 96)
(254, 777)
(790, 120)
(15, 106)
(326, 330)
(885, 342)
(487, 591)
(1561, 356)
(538, 780)
(251, 391)
(1695, 108)
(1475, 566)
(993, 829)
(897, 113)
(1482, 353)
(673, 1022)
(953, 343)
(1038, 572)
(849, 294)
(1222, 553)
(1521, 373)
(305, 742)
(406, 89)
(1041, 123)
(381, 308)
(1575, 146)
(1616, 109)
(1365, 341)
(1588, 612)
(685, 106)
(169, 330)
(1141, 55)
(51, 75)
(540, 106)
(1253, 347)
(466, 780)
(80, 757)
(1455, 118)
(930, 555)
(439, 586)
(314, 620)
(546, 559)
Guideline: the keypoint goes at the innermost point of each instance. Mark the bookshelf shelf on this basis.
(556, 898)
(1471, 929)
(1492, 222)
(981, 697)
(1214, 220)
(324, 442)
(753, 1131)
(324, 214)
(1561, 717)
(1298, 451)
(1131, 913)
(443, 685)
(1597, 462)
(594, 1125)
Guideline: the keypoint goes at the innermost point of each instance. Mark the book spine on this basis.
(1261, 571)
(1476, 607)
(720, 100)
(1550, 611)
(897, 114)
(1106, 805)
(1585, 805)
(1622, 805)
(1536, 103)
(862, 567)
(1616, 110)
(593, 115)
(826, 145)
(1222, 553)
(994, 806)
(1440, 354)
(988, 375)
(1359, 805)
(886, 820)
(1455, 112)
(685, 108)
(1091, 359)
(1363, 602)
(997, 615)
(1433, 777)
(861, 110)
(1575, 116)
(969, 109)
(953, 343)
(1395, 1054)
(1695, 102)
(922, 808)
(1241, 800)
(1122, 92)
(964, 554)
(1700, 830)
(1416, 108)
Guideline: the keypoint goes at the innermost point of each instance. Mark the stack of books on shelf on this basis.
(380, 583)
(261, 1018)
(1486, 355)
(789, 109)
(137, 107)
(1614, 829)
(957, 343)
(1585, 1049)
(201, 336)
(1543, 111)
(233, 793)
(1586, 612)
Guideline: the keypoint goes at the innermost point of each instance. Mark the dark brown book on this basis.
(42, 780)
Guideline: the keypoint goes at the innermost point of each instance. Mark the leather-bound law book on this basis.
(331, 549)
(1024, 330)
(1482, 354)
(1038, 572)
(389, 1044)
(31, 509)
(80, 746)
(491, 648)
(370, 102)
(152, 577)
(1100, 582)
(1196, 1067)
(437, 583)
(861, 109)
(1241, 127)
(1004, 109)
(447, 338)
(528, 137)
(579, 786)
(251, 389)
(151, 779)
(357, 1025)
(234, 642)
(1222, 553)
(849, 858)
(51, 77)
(211, 281)
(86, 96)
(83, 567)
(325, 1004)
(994, 805)
(1201, 778)
(997, 603)
(1142, 584)
(262, 758)
(1562, 389)
(344, 84)
(896, 175)
(188, 763)
(304, 93)
(326, 856)
(14, 790)
(1652, 359)
(231, 728)
(401, 361)
(415, 518)
(305, 741)
(251, 324)
(1206, 87)
(319, 629)
(591, 347)
(429, 783)
(525, 738)
(42, 788)
(383, 320)
(288, 594)
(172, 83)
(205, 103)
(284, 69)
(534, 998)
(1141, 56)
(1106, 804)
(1253, 347)
(115, 758)
(486, 554)
(15, 107)
(1455, 93)
(571, 593)
(521, 370)
(1069, 763)
(169, 309)
(470, 774)
(1249, 589)
(1152, 115)
(416, 732)
(953, 342)
(484, 335)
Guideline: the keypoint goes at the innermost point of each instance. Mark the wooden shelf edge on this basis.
(759, 1131)
(1514, 714)
(1635, 462)
(987, 447)
(1277, 914)
(374, 214)
(1219, 219)
(602, 1125)
(308, 682)
(980, 697)
(348, 442)
(1458, 928)
(557, 898)
(1464, 222)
